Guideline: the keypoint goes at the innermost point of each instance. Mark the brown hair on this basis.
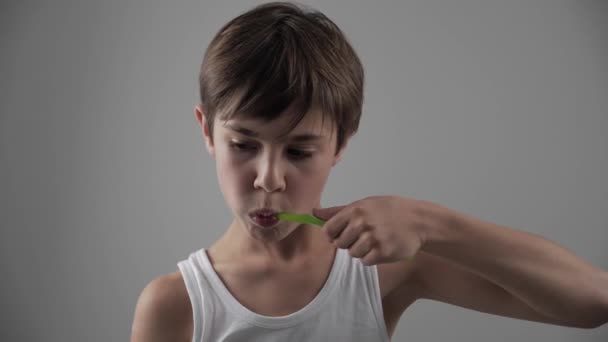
(280, 53)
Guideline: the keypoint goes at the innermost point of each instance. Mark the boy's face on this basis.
(256, 170)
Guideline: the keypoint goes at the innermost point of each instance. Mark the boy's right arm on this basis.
(163, 311)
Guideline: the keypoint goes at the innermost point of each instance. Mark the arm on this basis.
(467, 262)
(161, 314)
(495, 269)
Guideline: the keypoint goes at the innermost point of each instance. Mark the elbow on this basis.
(599, 318)
(592, 313)
(594, 319)
(593, 324)
(598, 313)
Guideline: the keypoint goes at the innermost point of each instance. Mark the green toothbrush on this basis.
(300, 218)
(307, 219)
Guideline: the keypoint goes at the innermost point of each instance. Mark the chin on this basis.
(270, 234)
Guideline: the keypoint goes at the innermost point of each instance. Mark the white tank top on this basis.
(347, 308)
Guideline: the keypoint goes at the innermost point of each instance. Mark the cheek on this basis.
(306, 188)
(234, 181)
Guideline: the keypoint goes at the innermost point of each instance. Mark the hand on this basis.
(378, 229)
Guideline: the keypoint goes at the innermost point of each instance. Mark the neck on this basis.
(301, 241)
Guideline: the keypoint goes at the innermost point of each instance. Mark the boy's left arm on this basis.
(468, 262)
(545, 276)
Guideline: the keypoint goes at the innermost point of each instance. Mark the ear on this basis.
(202, 120)
(340, 153)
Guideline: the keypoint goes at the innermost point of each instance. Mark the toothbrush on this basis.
(300, 218)
(307, 219)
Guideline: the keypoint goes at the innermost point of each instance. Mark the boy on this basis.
(281, 94)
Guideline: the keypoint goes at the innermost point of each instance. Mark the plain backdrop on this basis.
(498, 109)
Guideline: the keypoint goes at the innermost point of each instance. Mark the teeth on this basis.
(264, 214)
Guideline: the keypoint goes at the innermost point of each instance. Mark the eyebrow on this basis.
(305, 137)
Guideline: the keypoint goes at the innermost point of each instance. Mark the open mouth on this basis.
(264, 217)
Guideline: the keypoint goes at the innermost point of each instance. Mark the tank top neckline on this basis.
(272, 322)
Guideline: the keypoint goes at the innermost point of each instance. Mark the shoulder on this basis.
(399, 276)
(399, 288)
(163, 311)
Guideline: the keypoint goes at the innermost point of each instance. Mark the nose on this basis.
(270, 174)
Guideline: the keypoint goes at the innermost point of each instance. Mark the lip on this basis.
(265, 217)
(263, 212)
(265, 221)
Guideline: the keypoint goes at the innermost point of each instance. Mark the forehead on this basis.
(313, 126)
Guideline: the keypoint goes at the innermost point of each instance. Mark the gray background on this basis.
(494, 108)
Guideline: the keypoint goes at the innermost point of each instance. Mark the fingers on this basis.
(363, 245)
(366, 249)
(347, 229)
(348, 235)
(334, 226)
(371, 258)
(327, 213)
(341, 219)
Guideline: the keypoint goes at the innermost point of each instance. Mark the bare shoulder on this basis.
(398, 275)
(163, 311)
(399, 289)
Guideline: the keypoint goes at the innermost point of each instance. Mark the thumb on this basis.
(326, 213)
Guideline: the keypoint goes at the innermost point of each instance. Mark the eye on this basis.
(298, 154)
(242, 147)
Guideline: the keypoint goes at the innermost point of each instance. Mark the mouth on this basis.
(265, 217)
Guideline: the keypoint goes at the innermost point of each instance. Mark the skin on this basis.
(458, 259)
